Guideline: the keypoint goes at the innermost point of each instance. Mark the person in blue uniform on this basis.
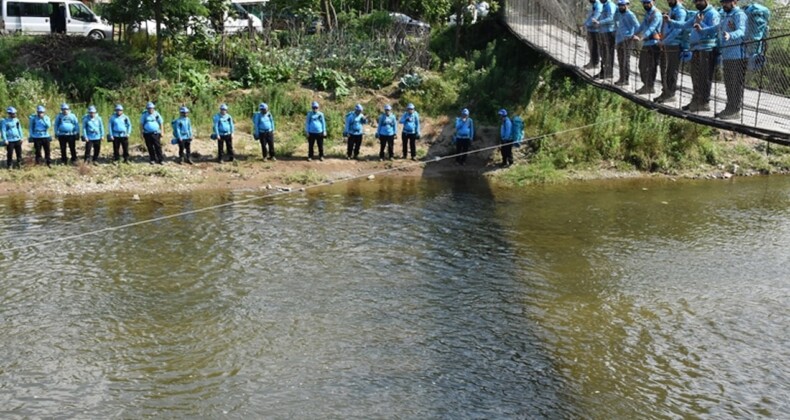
(649, 32)
(39, 125)
(182, 132)
(410, 121)
(506, 138)
(263, 130)
(11, 134)
(386, 131)
(67, 130)
(463, 137)
(92, 134)
(120, 128)
(315, 128)
(354, 130)
(734, 57)
(152, 128)
(605, 23)
(223, 131)
(623, 39)
(673, 41)
(592, 34)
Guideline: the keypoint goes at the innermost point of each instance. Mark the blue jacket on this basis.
(733, 23)
(506, 131)
(354, 123)
(388, 125)
(757, 17)
(464, 129)
(672, 35)
(262, 123)
(223, 125)
(651, 25)
(410, 122)
(92, 128)
(39, 127)
(182, 129)
(67, 125)
(626, 26)
(11, 130)
(705, 38)
(606, 18)
(595, 13)
(120, 125)
(151, 123)
(315, 123)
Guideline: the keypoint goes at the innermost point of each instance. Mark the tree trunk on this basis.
(330, 15)
(159, 40)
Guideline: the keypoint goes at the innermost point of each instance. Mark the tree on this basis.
(173, 15)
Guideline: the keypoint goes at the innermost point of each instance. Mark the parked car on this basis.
(409, 24)
(39, 17)
(236, 20)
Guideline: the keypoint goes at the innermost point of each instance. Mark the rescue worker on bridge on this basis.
(354, 130)
(315, 128)
(506, 137)
(182, 132)
(732, 31)
(702, 42)
(11, 135)
(592, 34)
(671, 44)
(39, 134)
(758, 17)
(223, 131)
(67, 129)
(263, 130)
(649, 32)
(120, 127)
(606, 38)
(92, 134)
(410, 121)
(464, 134)
(152, 128)
(386, 131)
(626, 28)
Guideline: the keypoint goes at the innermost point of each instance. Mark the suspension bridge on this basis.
(555, 28)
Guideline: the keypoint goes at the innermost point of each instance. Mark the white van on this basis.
(38, 17)
(237, 19)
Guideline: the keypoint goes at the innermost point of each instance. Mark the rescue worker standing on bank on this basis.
(182, 132)
(120, 127)
(92, 134)
(386, 131)
(626, 28)
(223, 131)
(702, 42)
(67, 129)
(263, 130)
(152, 127)
(410, 121)
(11, 134)
(464, 134)
(39, 134)
(315, 128)
(734, 59)
(649, 32)
(506, 137)
(672, 40)
(354, 130)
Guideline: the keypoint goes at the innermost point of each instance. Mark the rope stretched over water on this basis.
(288, 191)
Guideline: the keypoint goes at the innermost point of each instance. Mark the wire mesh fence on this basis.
(725, 68)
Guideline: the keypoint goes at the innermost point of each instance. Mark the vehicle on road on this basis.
(40, 17)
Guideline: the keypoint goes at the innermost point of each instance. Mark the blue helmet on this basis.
(410, 106)
(41, 108)
(91, 109)
(502, 112)
(183, 110)
(314, 104)
(464, 111)
(263, 106)
(358, 107)
(64, 106)
(223, 107)
(623, 2)
(150, 105)
(388, 107)
(11, 110)
(119, 107)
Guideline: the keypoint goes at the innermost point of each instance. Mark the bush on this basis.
(435, 96)
(331, 80)
(376, 77)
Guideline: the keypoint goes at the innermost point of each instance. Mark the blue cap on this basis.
(464, 111)
(150, 105)
(410, 106)
(358, 107)
(11, 110)
(64, 106)
(41, 108)
(119, 107)
(263, 106)
(91, 108)
(388, 107)
(502, 112)
(314, 104)
(622, 2)
(183, 110)
(647, 1)
(223, 107)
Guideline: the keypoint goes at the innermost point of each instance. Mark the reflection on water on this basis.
(402, 297)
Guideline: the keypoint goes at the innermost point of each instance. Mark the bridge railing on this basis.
(556, 28)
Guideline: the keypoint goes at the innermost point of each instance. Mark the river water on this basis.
(406, 298)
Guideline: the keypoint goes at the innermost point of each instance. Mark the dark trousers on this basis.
(734, 78)
(314, 139)
(267, 141)
(153, 142)
(507, 153)
(42, 144)
(94, 145)
(648, 65)
(592, 45)
(409, 141)
(669, 63)
(702, 65)
(462, 146)
(387, 142)
(118, 144)
(606, 48)
(354, 143)
(624, 59)
(71, 142)
(11, 148)
(185, 149)
(227, 142)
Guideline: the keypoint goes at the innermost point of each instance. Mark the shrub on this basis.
(331, 80)
(376, 77)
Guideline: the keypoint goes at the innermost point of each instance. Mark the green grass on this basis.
(308, 177)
